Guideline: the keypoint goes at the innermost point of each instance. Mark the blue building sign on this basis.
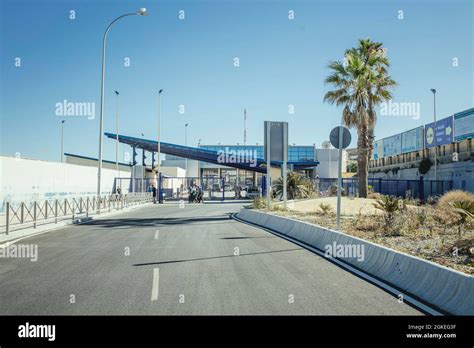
(442, 134)
(392, 145)
(377, 151)
(412, 140)
(464, 124)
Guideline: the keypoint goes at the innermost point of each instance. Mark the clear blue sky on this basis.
(282, 62)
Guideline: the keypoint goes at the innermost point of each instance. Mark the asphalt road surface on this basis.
(163, 259)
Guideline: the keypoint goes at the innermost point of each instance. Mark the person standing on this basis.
(153, 190)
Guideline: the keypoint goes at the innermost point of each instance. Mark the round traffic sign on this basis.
(334, 137)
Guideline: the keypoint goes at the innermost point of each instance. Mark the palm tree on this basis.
(297, 186)
(361, 83)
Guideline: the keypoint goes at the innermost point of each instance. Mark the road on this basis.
(163, 259)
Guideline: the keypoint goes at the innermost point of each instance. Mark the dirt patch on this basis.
(418, 231)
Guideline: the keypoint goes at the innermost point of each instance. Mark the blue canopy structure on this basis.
(204, 155)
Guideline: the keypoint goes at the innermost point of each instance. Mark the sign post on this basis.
(285, 164)
(276, 149)
(340, 138)
(268, 155)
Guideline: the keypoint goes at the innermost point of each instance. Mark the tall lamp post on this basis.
(141, 12)
(117, 135)
(62, 140)
(158, 167)
(436, 140)
(159, 130)
(185, 144)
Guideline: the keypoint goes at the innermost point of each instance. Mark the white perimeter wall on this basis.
(26, 180)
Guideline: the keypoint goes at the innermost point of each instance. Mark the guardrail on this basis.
(35, 212)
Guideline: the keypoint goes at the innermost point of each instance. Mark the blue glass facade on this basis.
(295, 153)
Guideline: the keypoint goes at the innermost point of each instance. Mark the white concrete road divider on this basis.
(444, 289)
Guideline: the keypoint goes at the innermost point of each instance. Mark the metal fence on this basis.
(213, 188)
(34, 213)
(419, 189)
(129, 185)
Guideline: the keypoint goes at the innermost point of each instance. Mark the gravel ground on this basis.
(433, 243)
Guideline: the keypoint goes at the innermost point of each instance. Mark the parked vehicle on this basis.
(252, 192)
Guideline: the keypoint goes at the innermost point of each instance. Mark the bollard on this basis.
(8, 218)
(55, 211)
(34, 214)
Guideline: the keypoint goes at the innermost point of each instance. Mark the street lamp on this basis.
(62, 140)
(141, 12)
(117, 134)
(159, 129)
(185, 144)
(158, 169)
(436, 140)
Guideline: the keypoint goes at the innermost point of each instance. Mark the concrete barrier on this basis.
(443, 288)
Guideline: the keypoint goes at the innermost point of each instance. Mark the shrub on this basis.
(421, 216)
(297, 186)
(465, 212)
(326, 208)
(367, 223)
(277, 207)
(412, 201)
(259, 203)
(332, 190)
(374, 195)
(432, 200)
(451, 196)
(389, 205)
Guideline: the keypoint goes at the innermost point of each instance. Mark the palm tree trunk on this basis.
(362, 160)
(371, 140)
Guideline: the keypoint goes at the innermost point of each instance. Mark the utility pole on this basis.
(117, 135)
(159, 130)
(186, 144)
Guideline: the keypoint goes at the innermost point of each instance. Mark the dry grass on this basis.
(425, 231)
(451, 196)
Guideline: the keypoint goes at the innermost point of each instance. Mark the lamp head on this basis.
(433, 90)
(116, 92)
(159, 92)
(142, 12)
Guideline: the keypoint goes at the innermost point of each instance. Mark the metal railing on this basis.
(34, 213)
(420, 188)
